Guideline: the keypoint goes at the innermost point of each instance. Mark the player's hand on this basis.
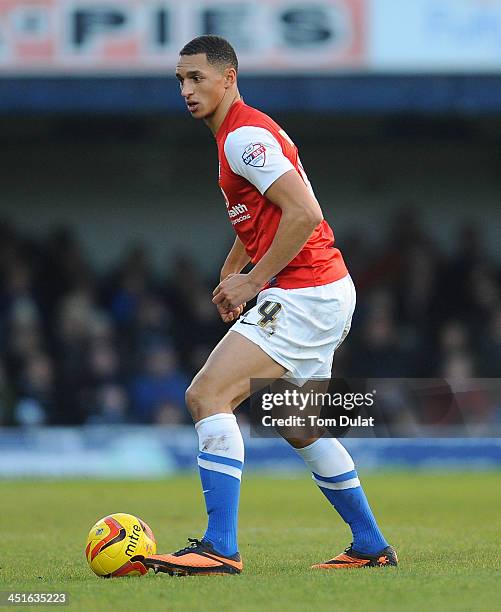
(228, 316)
(234, 291)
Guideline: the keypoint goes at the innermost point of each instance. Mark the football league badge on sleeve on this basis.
(255, 155)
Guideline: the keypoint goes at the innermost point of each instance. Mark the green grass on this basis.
(446, 528)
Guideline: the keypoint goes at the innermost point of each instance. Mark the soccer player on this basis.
(305, 302)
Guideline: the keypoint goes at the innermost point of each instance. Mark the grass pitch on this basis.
(446, 529)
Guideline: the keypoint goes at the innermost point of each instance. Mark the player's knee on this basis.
(198, 397)
(193, 399)
(206, 396)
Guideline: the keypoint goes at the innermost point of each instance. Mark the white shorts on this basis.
(301, 328)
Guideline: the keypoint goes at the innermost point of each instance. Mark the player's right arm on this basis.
(235, 262)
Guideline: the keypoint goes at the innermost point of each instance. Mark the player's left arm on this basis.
(301, 213)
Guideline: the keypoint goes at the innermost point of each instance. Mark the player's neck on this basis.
(215, 121)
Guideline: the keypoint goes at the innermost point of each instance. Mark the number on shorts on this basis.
(269, 312)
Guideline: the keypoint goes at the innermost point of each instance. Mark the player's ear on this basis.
(230, 77)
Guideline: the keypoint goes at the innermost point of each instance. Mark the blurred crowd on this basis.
(86, 346)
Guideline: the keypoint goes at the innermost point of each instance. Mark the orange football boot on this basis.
(197, 559)
(353, 559)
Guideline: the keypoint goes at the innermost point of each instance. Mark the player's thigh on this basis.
(224, 380)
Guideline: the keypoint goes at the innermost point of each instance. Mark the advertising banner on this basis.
(85, 37)
(272, 37)
(435, 36)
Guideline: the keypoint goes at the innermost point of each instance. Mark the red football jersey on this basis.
(254, 152)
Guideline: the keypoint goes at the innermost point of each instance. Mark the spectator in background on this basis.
(453, 339)
(103, 364)
(380, 350)
(24, 339)
(134, 280)
(160, 388)
(77, 314)
(108, 405)
(19, 293)
(387, 265)
(197, 323)
(417, 286)
(20, 312)
(152, 323)
(103, 370)
(36, 391)
(457, 275)
(126, 299)
(168, 413)
(357, 251)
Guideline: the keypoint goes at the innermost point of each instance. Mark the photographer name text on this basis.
(316, 421)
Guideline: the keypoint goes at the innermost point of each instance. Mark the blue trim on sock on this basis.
(338, 478)
(219, 459)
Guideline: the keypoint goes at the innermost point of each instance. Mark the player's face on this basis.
(202, 85)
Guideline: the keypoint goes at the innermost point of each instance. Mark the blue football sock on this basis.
(220, 462)
(352, 505)
(334, 472)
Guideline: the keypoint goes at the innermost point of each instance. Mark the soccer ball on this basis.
(114, 540)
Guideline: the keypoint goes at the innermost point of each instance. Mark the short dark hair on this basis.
(217, 49)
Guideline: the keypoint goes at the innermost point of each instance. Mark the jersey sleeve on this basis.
(254, 153)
